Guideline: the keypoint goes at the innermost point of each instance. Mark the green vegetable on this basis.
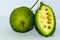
(45, 20)
(22, 19)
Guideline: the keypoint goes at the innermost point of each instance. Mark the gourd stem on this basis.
(34, 4)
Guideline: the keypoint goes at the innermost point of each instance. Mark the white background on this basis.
(6, 32)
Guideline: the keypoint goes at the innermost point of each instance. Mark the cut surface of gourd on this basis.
(45, 20)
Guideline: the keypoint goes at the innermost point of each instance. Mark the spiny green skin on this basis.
(22, 19)
(36, 25)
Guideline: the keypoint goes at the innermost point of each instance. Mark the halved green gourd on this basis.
(45, 20)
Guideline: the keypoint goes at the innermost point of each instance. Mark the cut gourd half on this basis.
(45, 20)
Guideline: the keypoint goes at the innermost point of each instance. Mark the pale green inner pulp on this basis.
(42, 19)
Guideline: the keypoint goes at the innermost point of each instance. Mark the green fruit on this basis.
(22, 19)
(45, 20)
